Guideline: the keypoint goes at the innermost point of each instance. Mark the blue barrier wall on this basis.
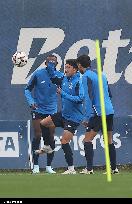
(14, 145)
(68, 29)
(121, 138)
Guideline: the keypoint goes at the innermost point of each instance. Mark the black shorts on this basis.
(36, 116)
(60, 121)
(95, 123)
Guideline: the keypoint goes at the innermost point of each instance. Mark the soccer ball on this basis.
(19, 59)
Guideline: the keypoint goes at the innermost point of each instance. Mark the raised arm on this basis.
(78, 98)
(54, 76)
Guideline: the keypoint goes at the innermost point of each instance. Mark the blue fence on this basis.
(15, 145)
(121, 137)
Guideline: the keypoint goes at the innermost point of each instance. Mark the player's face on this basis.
(51, 59)
(69, 70)
(80, 68)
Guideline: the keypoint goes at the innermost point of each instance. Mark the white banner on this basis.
(9, 144)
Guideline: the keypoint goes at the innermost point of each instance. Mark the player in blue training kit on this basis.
(93, 112)
(43, 102)
(72, 94)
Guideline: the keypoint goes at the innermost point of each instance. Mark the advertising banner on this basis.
(121, 138)
(14, 145)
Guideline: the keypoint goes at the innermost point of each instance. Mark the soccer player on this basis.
(93, 112)
(71, 91)
(41, 96)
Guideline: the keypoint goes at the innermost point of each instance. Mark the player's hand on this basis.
(34, 106)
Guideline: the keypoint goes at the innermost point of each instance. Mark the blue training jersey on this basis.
(72, 95)
(72, 98)
(92, 96)
(42, 92)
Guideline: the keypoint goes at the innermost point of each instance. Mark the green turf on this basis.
(26, 185)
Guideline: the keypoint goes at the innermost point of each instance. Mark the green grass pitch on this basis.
(43, 185)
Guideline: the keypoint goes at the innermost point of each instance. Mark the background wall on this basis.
(78, 19)
(67, 28)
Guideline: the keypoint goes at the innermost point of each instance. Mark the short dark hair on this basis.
(51, 55)
(72, 62)
(84, 60)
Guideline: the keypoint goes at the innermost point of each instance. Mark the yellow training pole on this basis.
(103, 111)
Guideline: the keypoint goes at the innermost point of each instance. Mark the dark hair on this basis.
(72, 62)
(84, 60)
(51, 56)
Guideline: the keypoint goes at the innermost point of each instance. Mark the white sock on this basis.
(36, 166)
(71, 168)
(48, 167)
